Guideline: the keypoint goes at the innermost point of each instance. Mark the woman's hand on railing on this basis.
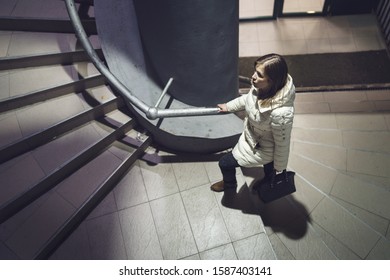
(222, 107)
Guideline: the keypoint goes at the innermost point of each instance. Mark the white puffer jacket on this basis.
(267, 130)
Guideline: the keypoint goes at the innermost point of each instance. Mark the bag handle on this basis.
(274, 176)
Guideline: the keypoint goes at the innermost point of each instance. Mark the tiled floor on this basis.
(166, 211)
(262, 8)
(310, 35)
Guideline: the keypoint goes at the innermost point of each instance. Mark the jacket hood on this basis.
(284, 97)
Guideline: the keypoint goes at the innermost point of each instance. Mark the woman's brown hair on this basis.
(275, 68)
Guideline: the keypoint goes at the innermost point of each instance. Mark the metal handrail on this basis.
(150, 112)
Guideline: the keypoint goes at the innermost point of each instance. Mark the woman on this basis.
(269, 107)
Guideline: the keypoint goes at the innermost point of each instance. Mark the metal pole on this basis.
(156, 113)
(164, 92)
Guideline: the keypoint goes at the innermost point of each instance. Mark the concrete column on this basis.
(196, 43)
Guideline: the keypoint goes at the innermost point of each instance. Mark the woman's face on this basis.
(260, 79)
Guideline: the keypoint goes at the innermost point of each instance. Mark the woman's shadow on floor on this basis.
(285, 215)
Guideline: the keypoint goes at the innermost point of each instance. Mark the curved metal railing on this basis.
(151, 112)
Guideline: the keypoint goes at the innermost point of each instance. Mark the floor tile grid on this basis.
(257, 231)
(328, 247)
(158, 200)
(310, 35)
(343, 247)
(343, 101)
(185, 201)
(369, 139)
(348, 209)
(289, 227)
(154, 201)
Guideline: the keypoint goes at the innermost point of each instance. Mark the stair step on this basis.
(50, 80)
(93, 200)
(32, 230)
(361, 240)
(333, 156)
(37, 139)
(39, 60)
(19, 201)
(76, 198)
(44, 25)
(362, 194)
(371, 141)
(23, 100)
(350, 191)
(330, 137)
(320, 175)
(332, 240)
(372, 98)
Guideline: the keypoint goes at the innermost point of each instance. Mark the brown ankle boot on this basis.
(221, 186)
(218, 187)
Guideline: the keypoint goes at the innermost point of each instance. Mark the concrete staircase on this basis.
(66, 139)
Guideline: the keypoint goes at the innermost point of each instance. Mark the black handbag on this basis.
(278, 186)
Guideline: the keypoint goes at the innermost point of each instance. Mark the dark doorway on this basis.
(350, 7)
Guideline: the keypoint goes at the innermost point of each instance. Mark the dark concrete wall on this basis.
(196, 43)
